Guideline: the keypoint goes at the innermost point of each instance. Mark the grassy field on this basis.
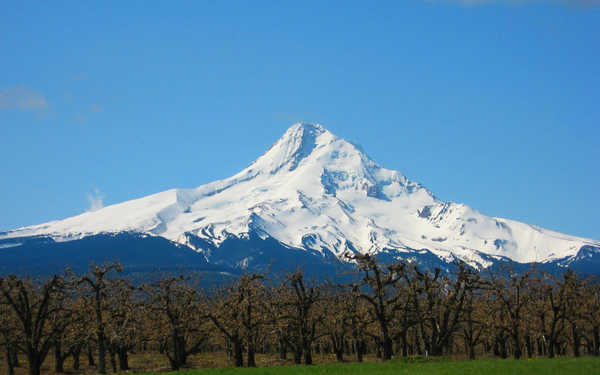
(558, 366)
(216, 364)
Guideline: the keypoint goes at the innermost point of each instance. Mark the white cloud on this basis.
(22, 98)
(95, 200)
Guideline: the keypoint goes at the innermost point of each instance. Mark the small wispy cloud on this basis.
(95, 200)
(22, 98)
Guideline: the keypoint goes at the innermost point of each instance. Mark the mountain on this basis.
(311, 198)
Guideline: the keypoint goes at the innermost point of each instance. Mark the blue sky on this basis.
(489, 103)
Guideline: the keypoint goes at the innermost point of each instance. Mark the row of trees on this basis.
(393, 310)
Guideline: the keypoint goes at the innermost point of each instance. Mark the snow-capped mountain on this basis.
(316, 192)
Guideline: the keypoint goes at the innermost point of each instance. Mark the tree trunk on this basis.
(360, 348)
(181, 353)
(100, 335)
(576, 340)
(35, 364)
(113, 361)
(470, 347)
(76, 354)
(417, 343)
(282, 349)
(500, 349)
(173, 363)
(437, 349)
(15, 356)
(59, 360)
(551, 348)
(238, 354)
(251, 362)
(9, 360)
(123, 359)
(404, 343)
(529, 345)
(471, 352)
(101, 353)
(176, 352)
(307, 355)
(228, 348)
(298, 355)
(517, 353)
(387, 348)
(338, 348)
(90, 356)
(541, 346)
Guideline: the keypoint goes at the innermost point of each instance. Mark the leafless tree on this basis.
(303, 318)
(98, 280)
(36, 306)
(378, 288)
(178, 318)
(512, 293)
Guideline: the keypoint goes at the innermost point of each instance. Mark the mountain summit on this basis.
(316, 192)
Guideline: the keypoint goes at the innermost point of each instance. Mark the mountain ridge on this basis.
(312, 190)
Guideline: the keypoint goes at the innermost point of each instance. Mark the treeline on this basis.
(391, 310)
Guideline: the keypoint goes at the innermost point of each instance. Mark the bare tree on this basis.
(574, 294)
(36, 306)
(473, 321)
(253, 295)
(590, 307)
(98, 279)
(302, 313)
(9, 334)
(358, 321)
(511, 292)
(381, 294)
(63, 345)
(337, 321)
(239, 312)
(547, 304)
(122, 325)
(441, 307)
(179, 319)
(77, 334)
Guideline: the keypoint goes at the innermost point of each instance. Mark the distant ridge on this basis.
(315, 193)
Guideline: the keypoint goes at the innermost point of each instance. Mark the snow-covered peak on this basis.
(328, 163)
(301, 127)
(314, 190)
(296, 144)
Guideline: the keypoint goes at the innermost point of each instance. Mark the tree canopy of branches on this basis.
(98, 282)
(36, 307)
(393, 310)
(381, 293)
(178, 319)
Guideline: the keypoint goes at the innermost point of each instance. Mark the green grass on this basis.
(557, 366)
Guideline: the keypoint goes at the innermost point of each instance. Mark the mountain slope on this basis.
(314, 191)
